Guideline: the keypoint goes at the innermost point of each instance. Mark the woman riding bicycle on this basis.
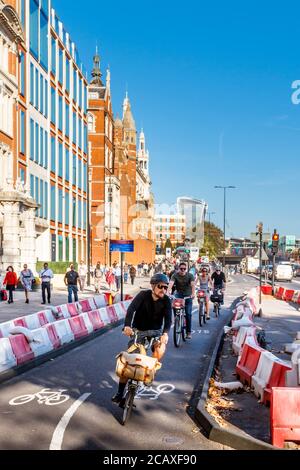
(205, 285)
(150, 313)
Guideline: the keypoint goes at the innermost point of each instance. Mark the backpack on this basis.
(3, 294)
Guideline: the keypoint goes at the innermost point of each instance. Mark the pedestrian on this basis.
(26, 278)
(71, 279)
(110, 278)
(11, 282)
(126, 271)
(98, 273)
(132, 274)
(46, 275)
(117, 273)
(82, 271)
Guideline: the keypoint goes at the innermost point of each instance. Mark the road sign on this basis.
(255, 237)
(168, 252)
(264, 255)
(123, 246)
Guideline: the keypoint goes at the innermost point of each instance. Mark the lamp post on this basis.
(224, 228)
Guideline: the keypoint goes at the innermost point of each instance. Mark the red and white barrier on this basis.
(100, 301)
(21, 348)
(7, 357)
(240, 338)
(284, 415)
(41, 343)
(64, 331)
(277, 378)
(263, 373)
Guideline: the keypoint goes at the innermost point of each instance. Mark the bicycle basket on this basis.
(137, 367)
(216, 298)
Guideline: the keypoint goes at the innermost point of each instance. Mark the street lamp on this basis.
(224, 187)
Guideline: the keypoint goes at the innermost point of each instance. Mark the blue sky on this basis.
(210, 83)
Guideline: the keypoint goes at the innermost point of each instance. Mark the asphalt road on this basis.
(84, 416)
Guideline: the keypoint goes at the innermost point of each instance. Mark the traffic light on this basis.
(275, 241)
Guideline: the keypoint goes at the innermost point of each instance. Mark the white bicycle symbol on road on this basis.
(45, 396)
(152, 393)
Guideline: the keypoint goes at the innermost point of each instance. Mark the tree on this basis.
(213, 240)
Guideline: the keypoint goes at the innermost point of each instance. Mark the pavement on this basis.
(241, 412)
(59, 296)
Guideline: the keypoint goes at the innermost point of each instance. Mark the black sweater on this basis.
(146, 314)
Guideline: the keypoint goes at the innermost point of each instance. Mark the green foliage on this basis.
(213, 240)
(59, 267)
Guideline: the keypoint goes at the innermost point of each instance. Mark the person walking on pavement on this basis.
(132, 273)
(11, 282)
(126, 271)
(117, 273)
(82, 271)
(26, 278)
(110, 278)
(185, 287)
(46, 275)
(98, 273)
(71, 279)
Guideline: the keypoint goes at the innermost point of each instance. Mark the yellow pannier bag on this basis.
(137, 367)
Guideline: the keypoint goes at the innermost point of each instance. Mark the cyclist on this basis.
(205, 285)
(185, 286)
(150, 313)
(219, 280)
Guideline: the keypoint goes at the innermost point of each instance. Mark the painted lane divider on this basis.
(58, 434)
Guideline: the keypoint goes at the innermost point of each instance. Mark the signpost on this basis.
(122, 246)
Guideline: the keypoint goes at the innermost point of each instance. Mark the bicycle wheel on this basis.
(22, 399)
(183, 326)
(128, 405)
(56, 400)
(177, 331)
(201, 313)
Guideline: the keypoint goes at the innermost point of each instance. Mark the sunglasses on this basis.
(182, 269)
(161, 286)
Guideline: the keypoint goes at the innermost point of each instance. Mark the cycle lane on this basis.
(159, 421)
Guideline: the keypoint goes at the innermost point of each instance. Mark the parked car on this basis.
(296, 269)
(283, 272)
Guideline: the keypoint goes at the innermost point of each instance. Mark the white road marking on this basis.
(58, 434)
(152, 393)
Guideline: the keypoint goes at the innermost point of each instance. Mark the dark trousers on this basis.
(188, 311)
(132, 280)
(72, 289)
(46, 286)
(10, 288)
(118, 282)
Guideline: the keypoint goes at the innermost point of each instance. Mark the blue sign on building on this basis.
(124, 246)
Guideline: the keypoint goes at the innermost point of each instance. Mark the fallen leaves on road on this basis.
(218, 405)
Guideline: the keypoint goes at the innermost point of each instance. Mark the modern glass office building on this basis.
(194, 211)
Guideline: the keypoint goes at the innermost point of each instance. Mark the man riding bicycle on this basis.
(205, 285)
(185, 287)
(150, 313)
(219, 280)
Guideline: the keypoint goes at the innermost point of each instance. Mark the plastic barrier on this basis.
(53, 335)
(288, 295)
(285, 415)
(104, 315)
(78, 327)
(112, 314)
(119, 311)
(293, 376)
(41, 343)
(74, 309)
(276, 379)
(7, 357)
(295, 296)
(240, 338)
(100, 301)
(87, 305)
(262, 373)
(6, 327)
(87, 322)
(96, 319)
(45, 317)
(108, 298)
(21, 348)
(126, 304)
(248, 361)
(279, 293)
(62, 310)
(266, 289)
(123, 306)
(21, 322)
(33, 321)
(64, 331)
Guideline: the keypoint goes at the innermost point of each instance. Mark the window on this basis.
(60, 159)
(53, 200)
(67, 168)
(46, 98)
(60, 205)
(53, 55)
(74, 245)
(85, 136)
(67, 127)
(36, 193)
(32, 186)
(79, 214)
(41, 153)
(74, 85)
(36, 97)
(74, 170)
(53, 105)
(41, 94)
(84, 215)
(37, 135)
(46, 201)
(43, 40)
(67, 203)
(46, 150)
(31, 83)
(67, 75)
(22, 132)
(34, 28)
(84, 177)
(91, 122)
(60, 247)
(74, 213)
(74, 127)
(22, 74)
(22, 13)
(60, 112)
(31, 139)
(67, 249)
(41, 201)
(80, 93)
(22, 175)
(79, 133)
(61, 70)
(53, 155)
(79, 174)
